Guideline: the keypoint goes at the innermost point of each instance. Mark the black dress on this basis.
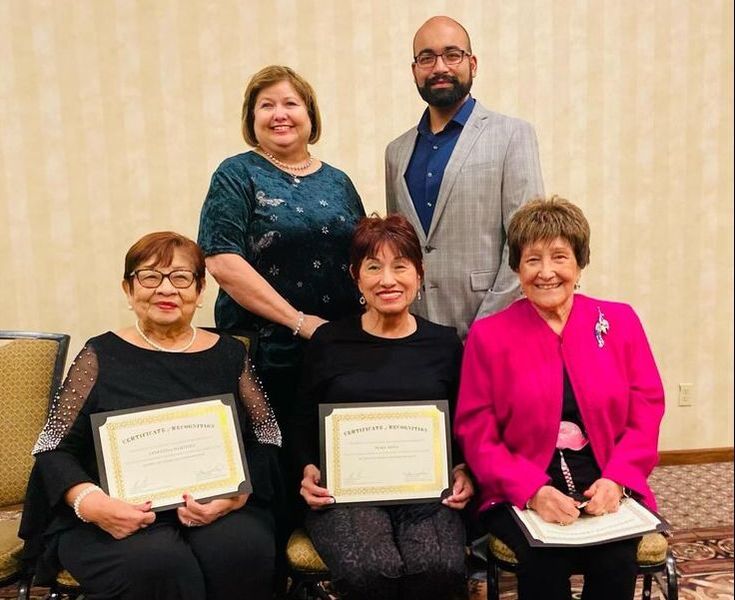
(165, 560)
(387, 552)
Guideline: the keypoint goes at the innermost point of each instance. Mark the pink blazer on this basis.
(510, 398)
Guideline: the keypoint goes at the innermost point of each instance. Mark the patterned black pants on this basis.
(386, 553)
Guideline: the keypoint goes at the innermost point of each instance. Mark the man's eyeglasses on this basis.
(451, 58)
(151, 278)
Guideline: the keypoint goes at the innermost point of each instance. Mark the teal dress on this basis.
(296, 232)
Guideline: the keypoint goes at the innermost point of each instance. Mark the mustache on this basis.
(441, 79)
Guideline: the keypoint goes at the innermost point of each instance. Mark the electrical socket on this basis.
(686, 394)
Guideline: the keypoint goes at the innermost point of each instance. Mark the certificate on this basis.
(161, 451)
(385, 453)
(631, 520)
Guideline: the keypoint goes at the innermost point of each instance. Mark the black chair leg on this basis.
(672, 583)
(493, 580)
(54, 593)
(24, 588)
(647, 584)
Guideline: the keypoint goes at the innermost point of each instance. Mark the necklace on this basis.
(292, 170)
(153, 344)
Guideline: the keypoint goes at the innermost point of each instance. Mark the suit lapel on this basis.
(470, 133)
(404, 199)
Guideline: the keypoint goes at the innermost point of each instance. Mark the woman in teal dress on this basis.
(276, 228)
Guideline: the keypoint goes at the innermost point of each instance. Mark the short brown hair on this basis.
(546, 220)
(267, 77)
(160, 246)
(374, 231)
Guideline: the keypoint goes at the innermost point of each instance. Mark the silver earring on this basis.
(200, 305)
(362, 300)
(577, 286)
(418, 296)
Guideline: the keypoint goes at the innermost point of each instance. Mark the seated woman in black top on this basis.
(386, 354)
(219, 550)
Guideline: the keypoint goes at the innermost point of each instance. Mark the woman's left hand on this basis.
(604, 495)
(462, 489)
(194, 514)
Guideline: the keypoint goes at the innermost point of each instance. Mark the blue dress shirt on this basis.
(429, 160)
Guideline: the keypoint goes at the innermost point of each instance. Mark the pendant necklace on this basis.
(292, 170)
(153, 344)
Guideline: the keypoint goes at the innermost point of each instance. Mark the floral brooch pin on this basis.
(601, 328)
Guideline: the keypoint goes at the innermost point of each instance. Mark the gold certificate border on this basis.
(440, 469)
(117, 425)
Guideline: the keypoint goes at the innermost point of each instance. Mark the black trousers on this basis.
(231, 558)
(382, 553)
(609, 570)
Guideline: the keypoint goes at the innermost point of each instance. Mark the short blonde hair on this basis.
(546, 220)
(267, 77)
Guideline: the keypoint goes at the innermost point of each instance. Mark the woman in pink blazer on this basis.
(560, 403)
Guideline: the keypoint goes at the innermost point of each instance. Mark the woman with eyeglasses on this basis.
(201, 550)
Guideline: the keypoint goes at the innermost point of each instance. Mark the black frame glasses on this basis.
(451, 57)
(175, 277)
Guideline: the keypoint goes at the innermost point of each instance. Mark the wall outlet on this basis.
(686, 394)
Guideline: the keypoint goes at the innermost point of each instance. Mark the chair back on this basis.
(31, 368)
(248, 338)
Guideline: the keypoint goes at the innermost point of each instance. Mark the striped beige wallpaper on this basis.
(113, 114)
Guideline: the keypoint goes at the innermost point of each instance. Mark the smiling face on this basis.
(442, 85)
(548, 272)
(280, 119)
(389, 282)
(165, 306)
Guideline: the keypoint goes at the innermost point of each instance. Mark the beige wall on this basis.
(113, 114)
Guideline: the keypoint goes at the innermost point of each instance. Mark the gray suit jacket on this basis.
(493, 169)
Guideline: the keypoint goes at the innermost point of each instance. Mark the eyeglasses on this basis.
(151, 278)
(451, 58)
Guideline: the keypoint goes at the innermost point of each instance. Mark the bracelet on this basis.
(299, 323)
(81, 496)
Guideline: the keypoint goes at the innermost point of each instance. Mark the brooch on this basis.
(601, 328)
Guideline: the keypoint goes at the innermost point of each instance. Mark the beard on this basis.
(444, 97)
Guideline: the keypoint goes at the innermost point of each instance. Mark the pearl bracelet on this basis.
(81, 496)
(299, 323)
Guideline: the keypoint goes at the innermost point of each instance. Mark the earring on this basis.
(130, 307)
(200, 305)
(362, 300)
(418, 295)
(576, 285)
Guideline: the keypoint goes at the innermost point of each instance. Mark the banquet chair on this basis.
(305, 568)
(248, 338)
(31, 367)
(655, 561)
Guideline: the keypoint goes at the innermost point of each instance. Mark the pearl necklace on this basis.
(153, 344)
(292, 170)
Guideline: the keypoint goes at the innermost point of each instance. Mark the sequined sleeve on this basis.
(69, 400)
(261, 417)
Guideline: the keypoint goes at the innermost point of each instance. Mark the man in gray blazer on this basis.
(458, 177)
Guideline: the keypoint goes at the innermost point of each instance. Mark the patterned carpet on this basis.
(698, 502)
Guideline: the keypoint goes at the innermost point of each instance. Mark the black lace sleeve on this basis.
(69, 400)
(261, 418)
(64, 451)
(262, 439)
